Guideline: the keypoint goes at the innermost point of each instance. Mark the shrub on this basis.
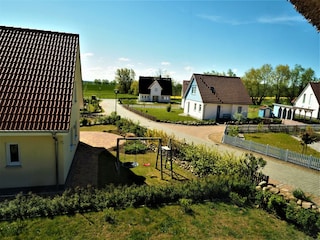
(135, 147)
(186, 205)
(169, 107)
(299, 194)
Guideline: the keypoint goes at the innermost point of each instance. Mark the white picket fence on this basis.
(282, 154)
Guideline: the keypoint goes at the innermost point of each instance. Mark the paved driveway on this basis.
(281, 173)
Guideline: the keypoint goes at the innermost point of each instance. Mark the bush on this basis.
(135, 147)
(299, 194)
(169, 108)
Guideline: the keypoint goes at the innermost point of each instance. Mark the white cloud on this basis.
(165, 63)
(219, 19)
(86, 55)
(123, 59)
(188, 69)
(280, 19)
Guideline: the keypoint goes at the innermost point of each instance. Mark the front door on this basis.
(218, 112)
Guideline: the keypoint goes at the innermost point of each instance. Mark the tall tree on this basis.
(258, 83)
(124, 78)
(281, 78)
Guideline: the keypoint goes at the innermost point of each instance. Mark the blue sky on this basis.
(175, 37)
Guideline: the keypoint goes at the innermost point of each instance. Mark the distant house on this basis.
(40, 98)
(306, 105)
(155, 89)
(215, 97)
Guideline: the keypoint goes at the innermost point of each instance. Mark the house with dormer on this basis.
(155, 89)
(215, 97)
(40, 99)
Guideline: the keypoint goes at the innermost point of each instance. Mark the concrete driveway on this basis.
(280, 172)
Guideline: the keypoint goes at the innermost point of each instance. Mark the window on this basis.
(310, 98)
(200, 107)
(193, 90)
(195, 107)
(13, 156)
(304, 98)
(239, 109)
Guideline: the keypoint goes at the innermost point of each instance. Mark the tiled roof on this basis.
(222, 89)
(185, 84)
(37, 71)
(145, 82)
(310, 9)
(316, 89)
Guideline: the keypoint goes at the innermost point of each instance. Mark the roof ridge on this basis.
(36, 30)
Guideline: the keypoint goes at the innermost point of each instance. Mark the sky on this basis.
(174, 37)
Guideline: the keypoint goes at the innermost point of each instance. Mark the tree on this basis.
(124, 78)
(176, 88)
(134, 88)
(308, 137)
(229, 73)
(281, 78)
(258, 83)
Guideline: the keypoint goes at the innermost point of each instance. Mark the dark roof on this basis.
(310, 9)
(185, 84)
(37, 71)
(316, 89)
(221, 89)
(165, 83)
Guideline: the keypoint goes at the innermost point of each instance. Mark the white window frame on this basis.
(8, 155)
(193, 90)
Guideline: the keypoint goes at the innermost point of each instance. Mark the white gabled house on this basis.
(309, 99)
(154, 89)
(215, 97)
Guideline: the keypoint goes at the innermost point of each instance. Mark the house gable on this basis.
(192, 92)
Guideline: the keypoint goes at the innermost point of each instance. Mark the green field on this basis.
(101, 91)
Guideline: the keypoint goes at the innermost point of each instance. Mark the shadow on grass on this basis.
(108, 174)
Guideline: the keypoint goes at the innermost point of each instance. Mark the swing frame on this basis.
(160, 150)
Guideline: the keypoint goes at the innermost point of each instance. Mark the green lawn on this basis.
(101, 91)
(161, 113)
(211, 220)
(280, 140)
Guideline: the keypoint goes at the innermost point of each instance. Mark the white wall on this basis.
(307, 99)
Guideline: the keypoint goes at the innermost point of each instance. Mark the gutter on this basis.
(54, 136)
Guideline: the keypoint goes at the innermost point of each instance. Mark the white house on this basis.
(215, 97)
(155, 89)
(309, 99)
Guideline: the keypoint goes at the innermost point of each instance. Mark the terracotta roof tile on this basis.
(37, 70)
(222, 89)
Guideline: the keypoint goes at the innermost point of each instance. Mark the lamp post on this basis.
(116, 91)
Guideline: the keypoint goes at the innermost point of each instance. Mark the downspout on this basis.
(54, 136)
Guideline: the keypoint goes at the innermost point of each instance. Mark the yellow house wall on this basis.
(37, 162)
(71, 139)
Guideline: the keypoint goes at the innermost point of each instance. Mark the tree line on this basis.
(266, 81)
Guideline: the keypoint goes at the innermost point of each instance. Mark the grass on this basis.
(144, 173)
(280, 140)
(161, 114)
(101, 91)
(211, 220)
(99, 128)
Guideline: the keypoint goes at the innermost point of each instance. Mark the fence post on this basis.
(286, 156)
(250, 142)
(309, 162)
(267, 150)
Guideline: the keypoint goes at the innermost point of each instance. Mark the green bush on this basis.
(135, 147)
(299, 194)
